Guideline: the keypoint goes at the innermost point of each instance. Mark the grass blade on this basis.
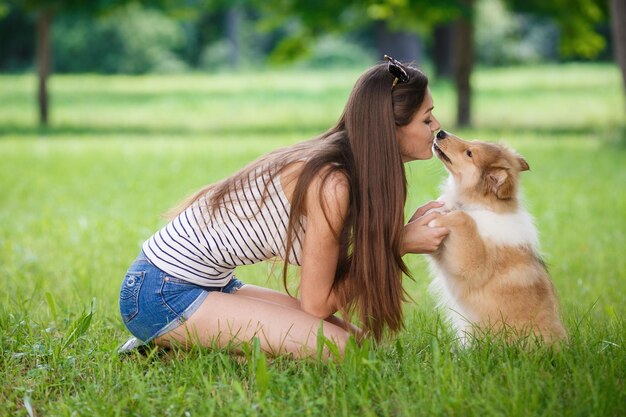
(261, 376)
(28, 406)
(78, 328)
(52, 305)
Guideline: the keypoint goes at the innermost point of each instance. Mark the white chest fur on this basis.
(501, 229)
(511, 229)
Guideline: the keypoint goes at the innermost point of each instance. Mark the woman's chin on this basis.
(418, 157)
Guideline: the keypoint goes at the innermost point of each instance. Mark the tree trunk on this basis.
(233, 25)
(403, 46)
(618, 26)
(443, 50)
(44, 55)
(463, 66)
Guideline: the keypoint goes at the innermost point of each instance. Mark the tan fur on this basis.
(496, 285)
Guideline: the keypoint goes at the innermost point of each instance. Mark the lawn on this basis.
(78, 199)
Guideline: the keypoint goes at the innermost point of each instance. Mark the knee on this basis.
(339, 337)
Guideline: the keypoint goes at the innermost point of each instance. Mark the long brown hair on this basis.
(363, 147)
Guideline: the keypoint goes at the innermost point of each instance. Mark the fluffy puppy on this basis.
(488, 271)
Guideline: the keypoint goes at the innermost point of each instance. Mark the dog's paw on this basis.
(438, 222)
(452, 219)
(457, 218)
(441, 210)
(434, 223)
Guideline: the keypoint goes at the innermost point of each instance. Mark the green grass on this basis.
(78, 199)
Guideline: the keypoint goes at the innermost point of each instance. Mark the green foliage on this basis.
(504, 38)
(293, 47)
(64, 6)
(18, 42)
(216, 56)
(415, 15)
(577, 20)
(307, 21)
(79, 199)
(130, 40)
(76, 330)
(114, 36)
(333, 52)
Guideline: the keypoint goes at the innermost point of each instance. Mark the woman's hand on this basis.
(417, 236)
(427, 208)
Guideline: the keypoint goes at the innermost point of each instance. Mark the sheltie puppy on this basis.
(488, 271)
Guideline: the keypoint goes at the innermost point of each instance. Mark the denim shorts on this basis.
(152, 302)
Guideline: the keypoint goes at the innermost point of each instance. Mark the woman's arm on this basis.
(417, 237)
(320, 252)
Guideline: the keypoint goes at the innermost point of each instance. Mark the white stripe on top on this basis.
(204, 248)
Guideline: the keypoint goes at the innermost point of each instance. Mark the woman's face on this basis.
(416, 138)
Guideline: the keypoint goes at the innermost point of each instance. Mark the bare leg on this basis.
(223, 319)
(266, 294)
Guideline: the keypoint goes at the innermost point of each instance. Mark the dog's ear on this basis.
(500, 183)
(523, 164)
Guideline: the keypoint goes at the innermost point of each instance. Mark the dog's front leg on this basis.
(462, 254)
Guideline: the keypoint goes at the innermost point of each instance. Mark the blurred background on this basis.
(448, 38)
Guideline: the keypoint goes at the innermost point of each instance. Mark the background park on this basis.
(112, 111)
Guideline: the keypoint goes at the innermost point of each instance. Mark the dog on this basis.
(488, 270)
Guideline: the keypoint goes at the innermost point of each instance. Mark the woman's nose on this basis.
(436, 125)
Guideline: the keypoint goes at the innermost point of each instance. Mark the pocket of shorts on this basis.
(129, 295)
(175, 291)
(172, 287)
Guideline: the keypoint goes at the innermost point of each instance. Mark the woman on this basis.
(335, 204)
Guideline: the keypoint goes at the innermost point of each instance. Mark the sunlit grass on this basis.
(77, 200)
(547, 98)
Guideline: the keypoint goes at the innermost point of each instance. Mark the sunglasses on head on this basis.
(396, 69)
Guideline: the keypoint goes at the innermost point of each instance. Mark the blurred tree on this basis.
(401, 44)
(618, 25)
(463, 62)
(228, 33)
(443, 44)
(504, 37)
(131, 40)
(45, 10)
(397, 23)
(577, 20)
(16, 40)
(234, 15)
(454, 20)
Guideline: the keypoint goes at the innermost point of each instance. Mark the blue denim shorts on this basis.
(152, 302)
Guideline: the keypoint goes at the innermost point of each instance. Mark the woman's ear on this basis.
(501, 183)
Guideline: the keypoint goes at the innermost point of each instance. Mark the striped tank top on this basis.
(204, 248)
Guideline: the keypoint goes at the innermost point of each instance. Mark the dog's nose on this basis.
(441, 134)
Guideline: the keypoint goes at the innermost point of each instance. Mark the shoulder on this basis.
(331, 185)
(332, 180)
(328, 196)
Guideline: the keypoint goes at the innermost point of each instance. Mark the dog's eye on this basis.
(468, 153)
